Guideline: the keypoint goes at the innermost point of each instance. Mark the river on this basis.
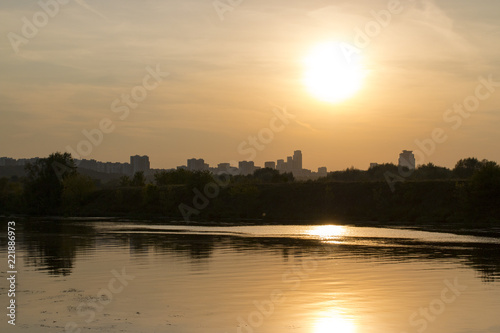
(99, 276)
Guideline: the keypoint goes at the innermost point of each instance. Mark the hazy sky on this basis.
(226, 77)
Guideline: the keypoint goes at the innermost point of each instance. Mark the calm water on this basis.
(301, 279)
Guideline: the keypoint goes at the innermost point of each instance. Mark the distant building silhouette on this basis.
(8, 161)
(117, 168)
(407, 159)
(270, 165)
(297, 161)
(289, 164)
(373, 165)
(293, 165)
(246, 167)
(297, 164)
(105, 167)
(139, 163)
(194, 164)
(224, 168)
(281, 166)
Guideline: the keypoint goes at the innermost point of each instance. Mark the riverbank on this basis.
(453, 228)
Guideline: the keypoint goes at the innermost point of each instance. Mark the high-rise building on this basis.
(407, 159)
(223, 167)
(246, 167)
(289, 164)
(270, 165)
(139, 163)
(7, 161)
(281, 166)
(194, 164)
(297, 161)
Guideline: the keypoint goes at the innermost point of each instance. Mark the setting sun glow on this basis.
(334, 323)
(333, 74)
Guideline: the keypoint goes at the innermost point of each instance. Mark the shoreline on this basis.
(439, 227)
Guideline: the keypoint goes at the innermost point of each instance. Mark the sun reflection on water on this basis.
(328, 231)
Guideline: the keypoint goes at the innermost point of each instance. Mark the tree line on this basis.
(464, 169)
(469, 191)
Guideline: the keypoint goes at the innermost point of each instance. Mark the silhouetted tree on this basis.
(11, 195)
(430, 171)
(199, 179)
(44, 182)
(125, 181)
(172, 177)
(150, 194)
(139, 179)
(349, 174)
(76, 189)
(485, 189)
(244, 198)
(379, 172)
(466, 167)
(268, 175)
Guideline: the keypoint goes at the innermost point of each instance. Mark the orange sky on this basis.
(226, 77)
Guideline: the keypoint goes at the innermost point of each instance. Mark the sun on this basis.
(333, 72)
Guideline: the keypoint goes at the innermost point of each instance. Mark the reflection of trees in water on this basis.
(486, 260)
(482, 257)
(52, 246)
(196, 247)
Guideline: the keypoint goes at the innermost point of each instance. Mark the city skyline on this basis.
(395, 161)
(142, 163)
(212, 86)
(293, 164)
